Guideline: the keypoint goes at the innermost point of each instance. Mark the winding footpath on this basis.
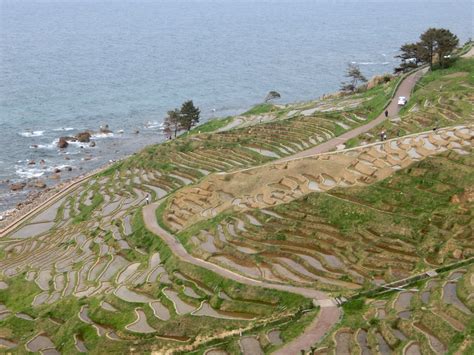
(327, 317)
(330, 313)
(404, 89)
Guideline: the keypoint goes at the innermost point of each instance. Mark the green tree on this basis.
(411, 55)
(189, 115)
(355, 77)
(437, 43)
(447, 42)
(172, 123)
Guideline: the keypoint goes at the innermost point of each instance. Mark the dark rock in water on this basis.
(67, 158)
(83, 137)
(272, 95)
(63, 143)
(40, 184)
(105, 129)
(136, 131)
(92, 144)
(34, 146)
(68, 168)
(31, 162)
(57, 170)
(42, 162)
(17, 186)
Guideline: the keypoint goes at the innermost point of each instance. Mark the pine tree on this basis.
(189, 115)
(435, 43)
(172, 123)
(355, 76)
(411, 55)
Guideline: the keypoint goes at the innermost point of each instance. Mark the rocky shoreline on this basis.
(36, 199)
(22, 195)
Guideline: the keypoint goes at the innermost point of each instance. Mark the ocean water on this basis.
(66, 66)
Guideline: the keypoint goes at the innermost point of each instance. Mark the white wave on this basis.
(371, 63)
(54, 144)
(64, 129)
(154, 124)
(46, 146)
(29, 134)
(60, 167)
(102, 135)
(78, 144)
(28, 173)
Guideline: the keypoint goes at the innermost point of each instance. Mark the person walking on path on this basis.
(386, 113)
(147, 199)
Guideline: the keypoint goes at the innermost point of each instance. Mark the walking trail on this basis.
(404, 89)
(330, 313)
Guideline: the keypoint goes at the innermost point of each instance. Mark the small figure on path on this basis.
(147, 199)
(382, 134)
(386, 113)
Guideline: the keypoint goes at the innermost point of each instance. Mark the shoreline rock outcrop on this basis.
(17, 186)
(83, 137)
(63, 142)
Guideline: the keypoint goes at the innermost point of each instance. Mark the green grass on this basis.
(460, 65)
(86, 211)
(447, 97)
(260, 109)
(211, 126)
(380, 94)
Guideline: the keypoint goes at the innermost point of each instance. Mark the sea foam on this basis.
(29, 134)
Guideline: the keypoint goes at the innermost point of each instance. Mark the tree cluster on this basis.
(435, 46)
(181, 119)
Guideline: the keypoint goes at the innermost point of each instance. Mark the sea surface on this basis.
(66, 66)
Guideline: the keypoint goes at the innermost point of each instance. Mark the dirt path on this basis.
(330, 313)
(404, 89)
(149, 216)
(325, 320)
(322, 324)
(469, 54)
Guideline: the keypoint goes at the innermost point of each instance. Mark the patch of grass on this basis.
(211, 126)
(353, 307)
(260, 109)
(86, 211)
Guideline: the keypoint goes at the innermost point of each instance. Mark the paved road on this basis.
(404, 89)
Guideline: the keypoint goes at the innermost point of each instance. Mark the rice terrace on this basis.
(288, 229)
